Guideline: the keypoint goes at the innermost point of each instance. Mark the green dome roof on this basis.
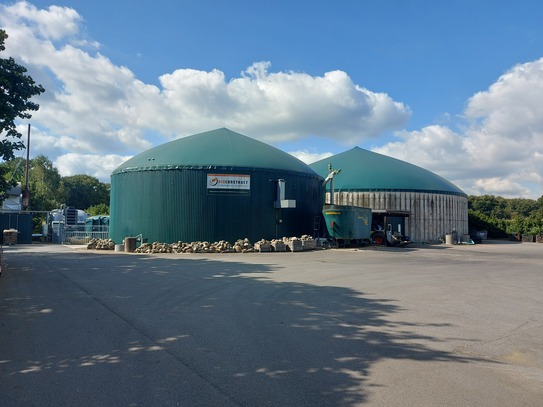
(363, 170)
(221, 148)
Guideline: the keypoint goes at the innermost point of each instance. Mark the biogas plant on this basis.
(222, 186)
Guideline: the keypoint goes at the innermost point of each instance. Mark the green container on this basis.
(347, 222)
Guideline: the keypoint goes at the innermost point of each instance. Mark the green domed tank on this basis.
(430, 205)
(217, 185)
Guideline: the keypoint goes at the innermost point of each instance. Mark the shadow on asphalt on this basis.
(257, 340)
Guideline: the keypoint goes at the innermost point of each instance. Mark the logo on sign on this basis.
(213, 181)
(229, 183)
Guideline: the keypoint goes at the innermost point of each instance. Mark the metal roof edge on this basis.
(427, 191)
(213, 168)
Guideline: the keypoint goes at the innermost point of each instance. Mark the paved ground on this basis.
(419, 326)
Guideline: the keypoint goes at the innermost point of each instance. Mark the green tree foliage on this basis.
(45, 188)
(14, 170)
(84, 191)
(46, 191)
(495, 227)
(17, 88)
(44, 181)
(493, 206)
(523, 207)
(502, 217)
(96, 210)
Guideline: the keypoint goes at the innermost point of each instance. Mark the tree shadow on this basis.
(253, 339)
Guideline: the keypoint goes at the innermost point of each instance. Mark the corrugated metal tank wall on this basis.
(169, 205)
(431, 215)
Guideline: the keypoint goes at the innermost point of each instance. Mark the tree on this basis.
(46, 192)
(14, 170)
(84, 191)
(494, 206)
(17, 89)
(501, 216)
(522, 207)
(44, 184)
(96, 210)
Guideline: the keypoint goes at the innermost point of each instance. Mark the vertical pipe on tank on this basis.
(280, 190)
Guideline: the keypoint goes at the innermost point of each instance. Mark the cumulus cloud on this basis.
(278, 106)
(73, 163)
(96, 114)
(500, 148)
(436, 146)
(309, 157)
(507, 187)
(94, 108)
(54, 23)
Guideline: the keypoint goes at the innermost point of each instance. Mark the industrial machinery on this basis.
(354, 225)
(62, 222)
(346, 225)
(388, 228)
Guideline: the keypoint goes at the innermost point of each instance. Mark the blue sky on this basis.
(440, 84)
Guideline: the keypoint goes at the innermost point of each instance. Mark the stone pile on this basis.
(263, 245)
(292, 244)
(308, 243)
(101, 244)
(241, 246)
(154, 247)
(278, 245)
(10, 236)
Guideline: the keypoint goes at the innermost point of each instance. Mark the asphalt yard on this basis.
(417, 326)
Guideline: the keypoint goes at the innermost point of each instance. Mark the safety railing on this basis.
(81, 237)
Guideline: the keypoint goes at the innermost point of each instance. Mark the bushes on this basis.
(502, 217)
(496, 228)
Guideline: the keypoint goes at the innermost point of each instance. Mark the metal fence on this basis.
(81, 237)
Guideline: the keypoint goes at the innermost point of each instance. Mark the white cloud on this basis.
(500, 150)
(508, 118)
(506, 187)
(99, 166)
(92, 106)
(435, 146)
(53, 23)
(278, 106)
(94, 111)
(309, 157)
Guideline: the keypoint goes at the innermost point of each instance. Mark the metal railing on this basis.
(81, 237)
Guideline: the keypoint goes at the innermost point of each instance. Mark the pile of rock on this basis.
(241, 246)
(263, 245)
(286, 244)
(204, 247)
(10, 236)
(292, 244)
(308, 243)
(278, 245)
(155, 247)
(101, 244)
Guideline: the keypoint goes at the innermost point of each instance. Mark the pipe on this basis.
(26, 192)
